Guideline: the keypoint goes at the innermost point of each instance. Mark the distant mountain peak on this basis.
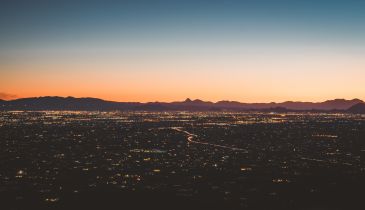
(196, 101)
(356, 99)
(344, 100)
(357, 108)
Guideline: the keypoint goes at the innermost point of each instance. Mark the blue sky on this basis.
(150, 21)
(164, 36)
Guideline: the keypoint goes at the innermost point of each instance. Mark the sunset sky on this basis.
(155, 50)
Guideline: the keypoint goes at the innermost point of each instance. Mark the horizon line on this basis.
(188, 98)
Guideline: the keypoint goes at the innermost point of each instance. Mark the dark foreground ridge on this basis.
(95, 104)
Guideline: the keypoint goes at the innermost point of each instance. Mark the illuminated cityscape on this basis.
(196, 160)
(182, 105)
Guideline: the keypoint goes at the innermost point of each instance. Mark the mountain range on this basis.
(357, 108)
(89, 104)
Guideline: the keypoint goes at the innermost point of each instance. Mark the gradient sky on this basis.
(154, 50)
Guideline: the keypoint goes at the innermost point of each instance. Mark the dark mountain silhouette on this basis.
(88, 104)
(61, 103)
(357, 108)
(337, 104)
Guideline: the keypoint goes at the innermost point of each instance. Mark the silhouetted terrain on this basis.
(357, 108)
(90, 104)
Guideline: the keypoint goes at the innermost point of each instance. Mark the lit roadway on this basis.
(191, 136)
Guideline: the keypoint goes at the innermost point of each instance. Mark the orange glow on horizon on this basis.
(252, 79)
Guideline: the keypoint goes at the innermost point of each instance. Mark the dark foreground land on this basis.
(181, 160)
